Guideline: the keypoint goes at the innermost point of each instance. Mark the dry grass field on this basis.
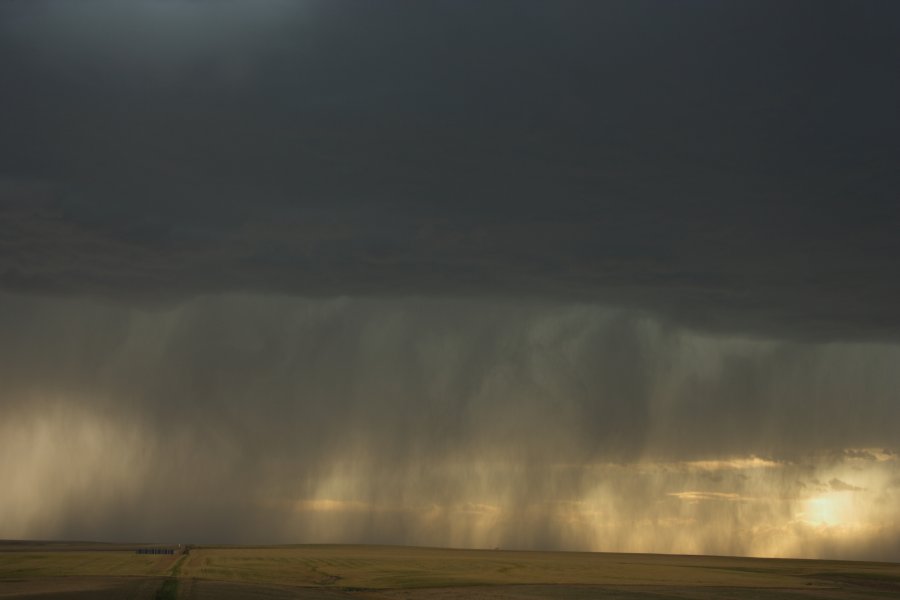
(75, 571)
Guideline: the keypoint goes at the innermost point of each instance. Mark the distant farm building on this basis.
(155, 551)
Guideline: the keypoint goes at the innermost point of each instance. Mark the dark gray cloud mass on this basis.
(732, 166)
(585, 275)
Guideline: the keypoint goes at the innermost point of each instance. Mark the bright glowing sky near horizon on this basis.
(580, 275)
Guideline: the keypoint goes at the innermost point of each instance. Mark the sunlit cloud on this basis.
(329, 505)
(753, 462)
(697, 496)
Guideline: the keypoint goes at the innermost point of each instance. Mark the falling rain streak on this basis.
(245, 418)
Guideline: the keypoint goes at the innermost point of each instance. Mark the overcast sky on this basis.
(607, 275)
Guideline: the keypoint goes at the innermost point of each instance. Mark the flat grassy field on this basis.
(273, 572)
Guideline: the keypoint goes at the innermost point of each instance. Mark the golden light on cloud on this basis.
(823, 510)
(738, 505)
(752, 462)
(698, 496)
(330, 505)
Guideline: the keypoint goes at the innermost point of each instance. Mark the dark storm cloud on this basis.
(732, 166)
(444, 273)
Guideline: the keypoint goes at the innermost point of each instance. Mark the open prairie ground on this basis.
(75, 571)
